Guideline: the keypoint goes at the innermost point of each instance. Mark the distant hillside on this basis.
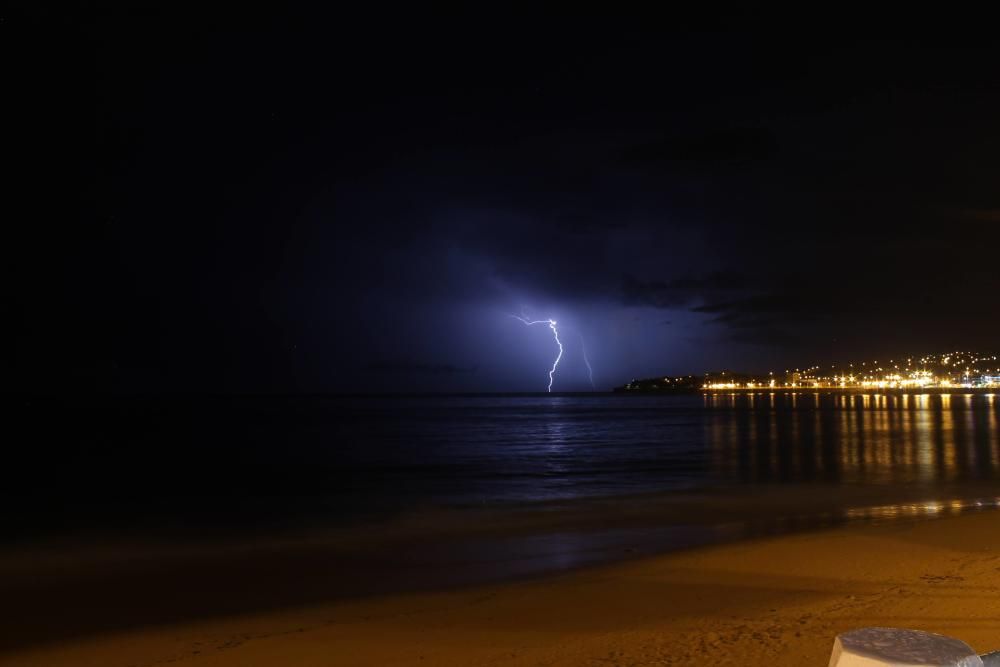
(949, 369)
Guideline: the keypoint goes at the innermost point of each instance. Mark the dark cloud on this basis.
(680, 291)
(418, 367)
(768, 319)
(228, 217)
(983, 215)
(720, 145)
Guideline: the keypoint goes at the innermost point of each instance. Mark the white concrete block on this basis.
(869, 647)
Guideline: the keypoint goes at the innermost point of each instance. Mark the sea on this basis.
(551, 480)
(144, 511)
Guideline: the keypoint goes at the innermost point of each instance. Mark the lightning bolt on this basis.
(555, 334)
(586, 360)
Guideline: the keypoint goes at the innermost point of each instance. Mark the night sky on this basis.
(346, 202)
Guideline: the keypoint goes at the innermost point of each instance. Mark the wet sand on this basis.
(774, 601)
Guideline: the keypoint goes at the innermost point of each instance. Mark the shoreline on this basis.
(303, 584)
(775, 601)
(872, 391)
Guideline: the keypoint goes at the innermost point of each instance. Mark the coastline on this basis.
(774, 600)
(894, 391)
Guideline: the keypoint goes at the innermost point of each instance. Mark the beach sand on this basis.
(771, 601)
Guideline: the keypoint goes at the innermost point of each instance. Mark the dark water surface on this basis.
(344, 456)
(244, 461)
(168, 511)
(487, 450)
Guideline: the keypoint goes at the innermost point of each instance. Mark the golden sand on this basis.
(776, 601)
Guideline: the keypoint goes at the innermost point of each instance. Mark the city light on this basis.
(954, 369)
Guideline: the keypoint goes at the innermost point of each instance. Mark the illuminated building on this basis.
(952, 369)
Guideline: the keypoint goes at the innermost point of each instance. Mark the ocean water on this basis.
(136, 464)
(174, 510)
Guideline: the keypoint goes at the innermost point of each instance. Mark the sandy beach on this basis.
(774, 601)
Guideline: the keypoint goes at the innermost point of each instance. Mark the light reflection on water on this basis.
(497, 449)
(853, 438)
(924, 510)
(539, 464)
(354, 456)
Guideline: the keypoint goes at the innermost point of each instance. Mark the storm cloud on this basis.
(775, 199)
